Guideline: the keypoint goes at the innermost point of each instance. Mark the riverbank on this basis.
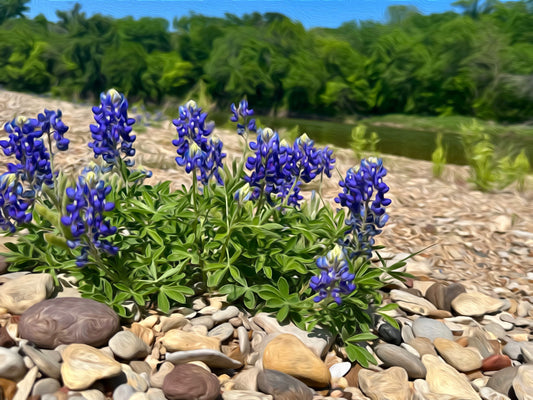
(484, 240)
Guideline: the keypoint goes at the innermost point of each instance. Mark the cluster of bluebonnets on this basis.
(276, 171)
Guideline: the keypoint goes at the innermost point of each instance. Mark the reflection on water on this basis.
(393, 140)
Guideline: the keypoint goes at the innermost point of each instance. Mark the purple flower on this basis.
(50, 122)
(243, 112)
(198, 150)
(14, 205)
(335, 278)
(112, 136)
(85, 215)
(364, 196)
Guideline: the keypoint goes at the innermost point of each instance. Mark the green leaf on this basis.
(236, 274)
(216, 277)
(175, 294)
(283, 286)
(249, 300)
(361, 337)
(162, 302)
(108, 289)
(282, 313)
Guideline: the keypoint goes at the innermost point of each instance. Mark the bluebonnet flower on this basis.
(243, 112)
(197, 149)
(112, 136)
(14, 207)
(364, 196)
(50, 122)
(85, 215)
(335, 278)
(309, 161)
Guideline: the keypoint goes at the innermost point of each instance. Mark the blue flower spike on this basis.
(335, 278)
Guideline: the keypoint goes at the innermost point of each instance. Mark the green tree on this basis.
(12, 9)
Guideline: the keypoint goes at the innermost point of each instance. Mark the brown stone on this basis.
(451, 292)
(435, 294)
(188, 382)
(495, 362)
(178, 340)
(68, 320)
(461, 358)
(282, 386)
(5, 338)
(286, 353)
(146, 334)
(8, 387)
(353, 376)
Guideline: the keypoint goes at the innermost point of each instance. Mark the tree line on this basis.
(477, 63)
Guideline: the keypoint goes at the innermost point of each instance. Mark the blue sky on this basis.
(311, 13)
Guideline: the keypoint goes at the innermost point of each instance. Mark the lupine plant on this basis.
(243, 229)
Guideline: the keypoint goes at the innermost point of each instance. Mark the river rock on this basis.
(8, 388)
(391, 384)
(431, 329)
(495, 362)
(451, 292)
(157, 377)
(502, 380)
(17, 295)
(83, 365)
(527, 351)
(488, 393)
(445, 380)
(45, 386)
(423, 346)
(5, 338)
(390, 334)
(461, 358)
(397, 356)
(523, 382)
(68, 320)
(282, 386)
(142, 332)
(319, 340)
(225, 314)
(25, 385)
(245, 395)
(123, 392)
(246, 379)
(222, 332)
(513, 350)
(286, 353)
(436, 294)
(411, 303)
(11, 365)
(213, 358)
(476, 304)
(128, 346)
(191, 382)
(178, 340)
(46, 364)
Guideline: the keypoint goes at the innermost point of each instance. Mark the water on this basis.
(404, 142)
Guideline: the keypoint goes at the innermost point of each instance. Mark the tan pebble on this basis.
(519, 337)
(336, 394)
(178, 340)
(146, 334)
(150, 321)
(224, 378)
(339, 382)
(463, 341)
(514, 305)
(200, 364)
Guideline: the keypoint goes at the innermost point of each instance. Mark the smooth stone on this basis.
(431, 329)
(495, 362)
(139, 396)
(497, 330)
(476, 304)
(498, 319)
(527, 351)
(17, 295)
(340, 369)
(282, 386)
(175, 321)
(83, 365)
(213, 358)
(423, 346)
(391, 384)
(487, 393)
(178, 340)
(8, 388)
(155, 394)
(445, 380)
(246, 379)
(143, 333)
(451, 292)
(139, 382)
(157, 377)
(288, 354)
(68, 320)
(244, 341)
(422, 392)
(46, 364)
(478, 339)
(5, 338)
(128, 346)
(395, 356)
(204, 320)
(523, 382)
(245, 395)
(11, 365)
(225, 314)
(435, 294)
(123, 392)
(502, 380)
(140, 366)
(25, 385)
(190, 382)
(513, 350)
(390, 334)
(461, 358)
(407, 333)
(319, 340)
(45, 386)
(411, 303)
(222, 332)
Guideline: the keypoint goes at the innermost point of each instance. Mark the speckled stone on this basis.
(282, 386)
(68, 320)
(395, 356)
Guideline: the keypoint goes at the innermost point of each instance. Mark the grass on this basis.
(447, 124)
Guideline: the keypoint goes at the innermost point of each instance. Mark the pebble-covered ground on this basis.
(466, 319)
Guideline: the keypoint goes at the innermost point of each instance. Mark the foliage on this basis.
(478, 63)
(240, 229)
(438, 157)
(362, 143)
(488, 170)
